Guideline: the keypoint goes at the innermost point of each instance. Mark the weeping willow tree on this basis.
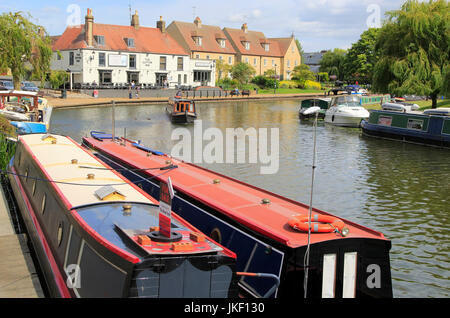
(414, 51)
(23, 45)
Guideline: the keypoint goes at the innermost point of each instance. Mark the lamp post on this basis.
(275, 82)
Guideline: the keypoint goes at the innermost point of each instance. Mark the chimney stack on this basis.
(135, 20)
(161, 25)
(89, 28)
(198, 22)
(244, 28)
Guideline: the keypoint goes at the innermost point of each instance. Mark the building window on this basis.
(162, 63)
(100, 39)
(207, 57)
(133, 61)
(129, 42)
(265, 62)
(273, 62)
(105, 77)
(266, 47)
(197, 56)
(185, 78)
(180, 64)
(58, 56)
(220, 57)
(296, 62)
(230, 60)
(288, 63)
(254, 61)
(198, 40)
(202, 76)
(71, 58)
(246, 60)
(246, 45)
(101, 59)
(222, 42)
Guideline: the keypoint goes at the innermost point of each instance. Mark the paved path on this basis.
(18, 278)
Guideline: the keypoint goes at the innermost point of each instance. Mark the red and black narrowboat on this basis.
(181, 111)
(267, 231)
(97, 235)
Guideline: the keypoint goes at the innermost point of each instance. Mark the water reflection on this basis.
(399, 189)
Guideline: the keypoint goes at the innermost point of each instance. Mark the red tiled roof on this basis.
(284, 43)
(147, 40)
(256, 39)
(210, 34)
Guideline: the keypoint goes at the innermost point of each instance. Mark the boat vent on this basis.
(108, 193)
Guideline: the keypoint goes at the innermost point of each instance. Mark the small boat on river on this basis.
(346, 111)
(323, 103)
(96, 234)
(268, 232)
(430, 127)
(181, 111)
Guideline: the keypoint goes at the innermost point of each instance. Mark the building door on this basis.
(133, 77)
(160, 78)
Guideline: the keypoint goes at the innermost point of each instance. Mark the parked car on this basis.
(29, 86)
(8, 85)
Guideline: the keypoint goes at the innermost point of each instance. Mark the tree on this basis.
(300, 49)
(222, 68)
(242, 72)
(414, 50)
(58, 78)
(23, 43)
(333, 63)
(362, 57)
(301, 73)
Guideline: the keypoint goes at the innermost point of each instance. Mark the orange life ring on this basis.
(319, 223)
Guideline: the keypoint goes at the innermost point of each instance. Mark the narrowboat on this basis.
(323, 103)
(181, 111)
(430, 127)
(97, 235)
(346, 111)
(265, 230)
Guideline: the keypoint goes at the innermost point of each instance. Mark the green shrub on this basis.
(312, 85)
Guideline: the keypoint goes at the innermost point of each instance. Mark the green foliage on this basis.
(301, 73)
(413, 46)
(58, 78)
(264, 81)
(222, 69)
(333, 63)
(362, 57)
(300, 48)
(23, 42)
(312, 85)
(242, 72)
(323, 77)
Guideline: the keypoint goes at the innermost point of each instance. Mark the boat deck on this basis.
(239, 201)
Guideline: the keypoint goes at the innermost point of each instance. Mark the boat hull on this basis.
(181, 118)
(344, 121)
(258, 252)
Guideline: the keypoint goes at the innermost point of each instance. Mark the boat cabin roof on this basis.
(69, 166)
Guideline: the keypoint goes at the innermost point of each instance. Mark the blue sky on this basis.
(318, 24)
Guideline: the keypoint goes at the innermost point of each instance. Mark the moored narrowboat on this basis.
(181, 111)
(323, 103)
(268, 232)
(96, 234)
(431, 127)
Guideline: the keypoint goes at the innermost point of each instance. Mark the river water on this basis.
(399, 189)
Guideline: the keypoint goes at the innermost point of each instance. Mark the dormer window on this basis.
(197, 40)
(100, 39)
(246, 44)
(221, 42)
(266, 47)
(129, 42)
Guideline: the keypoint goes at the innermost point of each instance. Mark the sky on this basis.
(318, 24)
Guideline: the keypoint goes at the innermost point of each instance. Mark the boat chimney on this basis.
(89, 28)
(135, 20)
(161, 25)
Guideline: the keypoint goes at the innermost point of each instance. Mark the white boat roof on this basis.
(16, 92)
(56, 159)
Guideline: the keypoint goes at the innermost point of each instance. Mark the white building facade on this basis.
(111, 55)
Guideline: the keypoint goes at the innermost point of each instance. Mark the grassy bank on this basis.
(7, 148)
(291, 91)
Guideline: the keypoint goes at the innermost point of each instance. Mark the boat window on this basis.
(385, 120)
(60, 233)
(415, 124)
(43, 204)
(34, 187)
(191, 108)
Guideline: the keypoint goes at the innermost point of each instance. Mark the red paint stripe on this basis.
(60, 281)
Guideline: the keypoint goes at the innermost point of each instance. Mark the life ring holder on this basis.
(319, 223)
